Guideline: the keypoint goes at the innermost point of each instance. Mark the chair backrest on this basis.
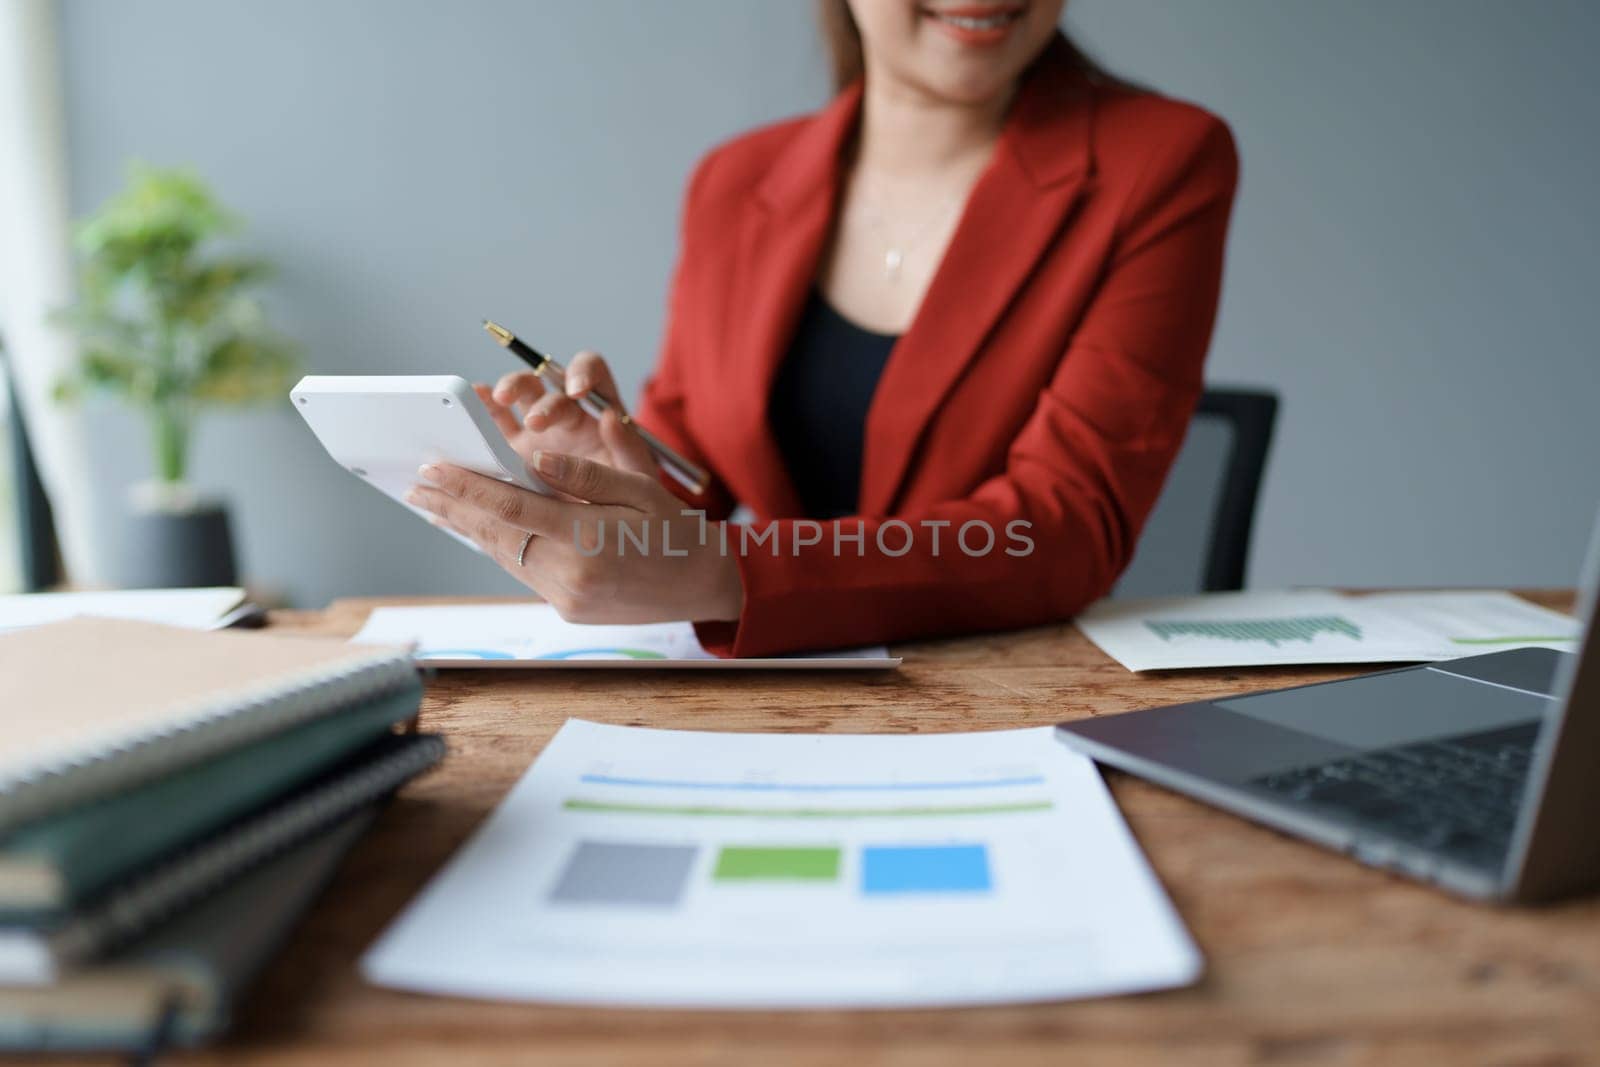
(1197, 539)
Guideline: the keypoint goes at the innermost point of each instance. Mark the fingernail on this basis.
(552, 463)
(414, 496)
(428, 472)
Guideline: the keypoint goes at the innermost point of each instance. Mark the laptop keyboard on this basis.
(1456, 796)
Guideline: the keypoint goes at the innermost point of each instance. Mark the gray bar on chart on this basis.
(630, 875)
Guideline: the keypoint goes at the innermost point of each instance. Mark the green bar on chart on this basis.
(776, 864)
(1273, 632)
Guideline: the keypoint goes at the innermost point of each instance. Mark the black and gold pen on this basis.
(686, 474)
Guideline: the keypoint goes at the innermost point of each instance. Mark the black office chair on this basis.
(1198, 537)
(41, 560)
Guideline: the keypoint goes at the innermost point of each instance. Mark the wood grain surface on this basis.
(1311, 958)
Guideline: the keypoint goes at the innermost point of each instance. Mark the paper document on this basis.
(534, 635)
(1253, 629)
(675, 868)
(197, 608)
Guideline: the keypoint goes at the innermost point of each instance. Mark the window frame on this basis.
(40, 555)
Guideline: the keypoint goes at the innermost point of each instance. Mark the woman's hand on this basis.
(623, 550)
(534, 416)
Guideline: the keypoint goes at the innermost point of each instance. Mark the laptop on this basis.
(1480, 775)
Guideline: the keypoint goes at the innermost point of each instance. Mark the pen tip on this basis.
(498, 332)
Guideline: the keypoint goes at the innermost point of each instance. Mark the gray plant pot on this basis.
(172, 538)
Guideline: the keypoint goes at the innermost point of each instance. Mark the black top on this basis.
(818, 410)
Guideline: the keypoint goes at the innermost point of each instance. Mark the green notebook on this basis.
(50, 866)
(165, 956)
(177, 986)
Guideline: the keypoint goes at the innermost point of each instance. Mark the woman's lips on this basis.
(975, 24)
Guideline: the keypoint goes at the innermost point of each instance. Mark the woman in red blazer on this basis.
(1008, 263)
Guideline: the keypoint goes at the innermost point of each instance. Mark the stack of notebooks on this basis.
(170, 802)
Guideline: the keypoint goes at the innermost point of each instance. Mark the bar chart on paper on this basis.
(1318, 626)
(1272, 632)
(833, 811)
(679, 868)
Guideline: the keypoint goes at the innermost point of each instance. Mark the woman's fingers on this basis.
(503, 416)
(588, 372)
(627, 448)
(519, 387)
(530, 538)
(477, 505)
(532, 561)
(500, 541)
(552, 412)
(597, 483)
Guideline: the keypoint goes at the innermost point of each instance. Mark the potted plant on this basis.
(164, 323)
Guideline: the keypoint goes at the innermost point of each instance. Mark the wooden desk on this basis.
(1312, 958)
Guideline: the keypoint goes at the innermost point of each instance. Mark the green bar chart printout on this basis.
(747, 863)
(1273, 632)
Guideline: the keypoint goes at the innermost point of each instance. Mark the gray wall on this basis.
(1411, 264)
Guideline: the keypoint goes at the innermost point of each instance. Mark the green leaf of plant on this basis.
(163, 321)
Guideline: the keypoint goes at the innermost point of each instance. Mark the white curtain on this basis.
(35, 269)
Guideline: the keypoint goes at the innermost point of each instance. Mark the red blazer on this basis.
(1048, 376)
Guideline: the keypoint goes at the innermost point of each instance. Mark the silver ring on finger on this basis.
(522, 553)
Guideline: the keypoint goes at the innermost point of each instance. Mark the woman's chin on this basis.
(966, 83)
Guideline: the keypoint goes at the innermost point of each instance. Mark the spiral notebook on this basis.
(54, 865)
(39, 957)
(181, 984)
(93, 705)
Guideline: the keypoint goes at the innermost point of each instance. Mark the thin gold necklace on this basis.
(895, 252)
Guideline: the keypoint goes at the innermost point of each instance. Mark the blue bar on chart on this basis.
(925, 869)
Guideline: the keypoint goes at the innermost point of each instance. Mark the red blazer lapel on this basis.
(1013, 215)
(781, 240)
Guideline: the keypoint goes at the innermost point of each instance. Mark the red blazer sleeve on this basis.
(661, 403)
(1082, 474)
